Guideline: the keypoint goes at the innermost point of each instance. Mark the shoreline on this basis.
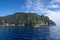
(32, 25)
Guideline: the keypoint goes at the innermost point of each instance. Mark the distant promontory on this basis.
(21, 18)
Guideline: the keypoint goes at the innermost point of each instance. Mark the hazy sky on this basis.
(50, 8)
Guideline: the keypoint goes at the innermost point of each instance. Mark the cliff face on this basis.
(29, 18)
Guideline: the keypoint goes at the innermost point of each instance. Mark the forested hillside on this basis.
(22, 18)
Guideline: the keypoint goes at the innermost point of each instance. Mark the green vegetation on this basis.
(22, 18)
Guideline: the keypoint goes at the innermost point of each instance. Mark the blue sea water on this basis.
(29, 33)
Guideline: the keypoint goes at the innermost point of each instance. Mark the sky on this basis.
(50, 8)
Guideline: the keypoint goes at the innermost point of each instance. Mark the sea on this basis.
(29, 33)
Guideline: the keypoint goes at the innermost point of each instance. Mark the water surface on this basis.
(30, 33)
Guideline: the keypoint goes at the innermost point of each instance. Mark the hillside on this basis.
(19, 18)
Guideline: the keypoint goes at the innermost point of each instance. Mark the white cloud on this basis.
(55, 1)
(53, 6)
(28, 5)
(37, 6)
(54, 15)
(33, 6)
